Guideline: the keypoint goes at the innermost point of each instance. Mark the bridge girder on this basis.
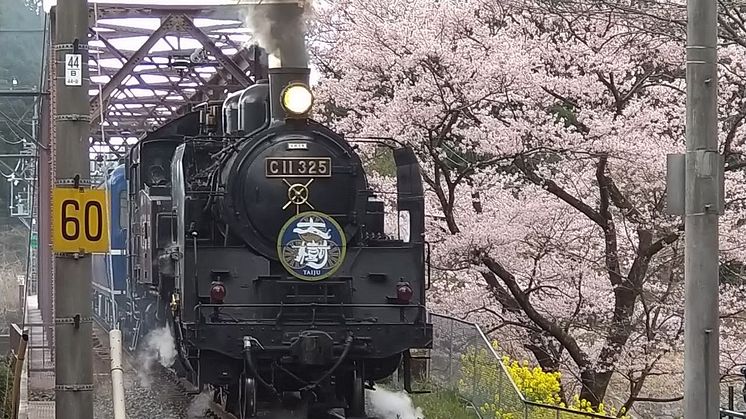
(142, 71)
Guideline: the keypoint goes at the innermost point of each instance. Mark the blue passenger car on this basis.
(110, 269)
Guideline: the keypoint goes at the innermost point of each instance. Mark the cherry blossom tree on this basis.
(542, 132)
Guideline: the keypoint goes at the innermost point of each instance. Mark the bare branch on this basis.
(552, 187)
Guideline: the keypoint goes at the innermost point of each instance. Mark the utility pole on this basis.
(703, 204)
(73, 327)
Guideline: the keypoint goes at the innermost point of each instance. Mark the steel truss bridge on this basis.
(148, 63)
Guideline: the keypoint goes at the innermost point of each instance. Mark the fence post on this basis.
(500, 373)
(20, 355)
(450, 352)
(476, 372)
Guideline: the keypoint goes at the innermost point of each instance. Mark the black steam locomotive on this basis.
(255, 235)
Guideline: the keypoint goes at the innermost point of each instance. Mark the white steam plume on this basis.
(393, 405)
(280, 29)
(159, 346)
(199, 405)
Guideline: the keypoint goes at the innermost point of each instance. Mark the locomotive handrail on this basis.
(376, 140)
(338, 305)
(427, 262)
(421, 319)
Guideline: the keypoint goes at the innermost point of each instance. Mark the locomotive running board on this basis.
(342, 416)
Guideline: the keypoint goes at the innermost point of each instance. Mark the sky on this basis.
(49, 3)
(134, 45)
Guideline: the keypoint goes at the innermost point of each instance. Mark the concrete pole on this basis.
(702, 196)
(72, 287)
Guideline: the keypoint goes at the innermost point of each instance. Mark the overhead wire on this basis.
(18, 126)
(35, 190)
(35, 199)
(6, 176)
(6, 141)
(97, 37)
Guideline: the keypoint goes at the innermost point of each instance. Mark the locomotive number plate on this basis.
(298, 167)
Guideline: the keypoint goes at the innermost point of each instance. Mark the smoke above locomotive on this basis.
(280, 28)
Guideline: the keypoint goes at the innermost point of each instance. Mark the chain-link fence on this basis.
(462, 360)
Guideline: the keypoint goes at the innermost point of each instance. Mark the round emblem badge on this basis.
(311, 246)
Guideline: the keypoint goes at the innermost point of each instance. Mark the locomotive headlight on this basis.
(297, 98)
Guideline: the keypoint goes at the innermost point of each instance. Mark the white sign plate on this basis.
(297, 146)
(73, 70)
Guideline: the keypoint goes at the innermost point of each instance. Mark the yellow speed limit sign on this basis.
(79, 221)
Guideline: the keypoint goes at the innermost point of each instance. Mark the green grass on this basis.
(442, 405)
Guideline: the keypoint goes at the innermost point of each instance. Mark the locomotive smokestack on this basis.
(279, 28)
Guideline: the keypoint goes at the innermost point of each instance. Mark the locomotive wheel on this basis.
(247, 397)
(356, 397)
(220, 397)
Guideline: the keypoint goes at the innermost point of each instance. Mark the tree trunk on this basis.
(547, 356)
(594, 387)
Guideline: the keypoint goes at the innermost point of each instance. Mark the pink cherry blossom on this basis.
(543, 135)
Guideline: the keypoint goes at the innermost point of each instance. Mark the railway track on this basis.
(157, 391)
(154, 392)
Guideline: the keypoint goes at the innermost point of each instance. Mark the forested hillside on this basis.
(20, 58)
(20, 43)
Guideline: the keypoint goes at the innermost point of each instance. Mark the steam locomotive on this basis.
(254, 235)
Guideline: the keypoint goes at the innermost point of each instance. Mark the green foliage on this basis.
(5, 389)
(440, 405)
(382, 162)
(535, 384)
(565, 113)
(13, 251)
(482, 373)
(21, 40)
(21, 43)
